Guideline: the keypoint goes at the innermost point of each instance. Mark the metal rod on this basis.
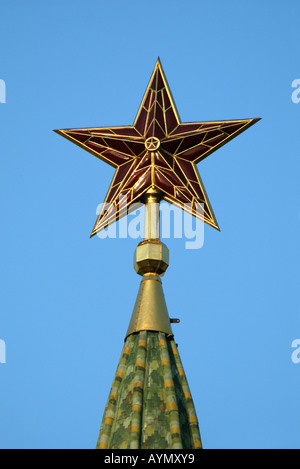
(152, 216)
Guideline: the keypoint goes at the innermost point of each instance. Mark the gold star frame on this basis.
(157, 152)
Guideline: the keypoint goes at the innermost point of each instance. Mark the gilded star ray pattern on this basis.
(157, 152)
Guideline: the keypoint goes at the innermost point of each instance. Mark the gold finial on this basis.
(151, 260)
(150, 311)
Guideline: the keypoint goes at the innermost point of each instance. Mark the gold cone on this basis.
(150, 311)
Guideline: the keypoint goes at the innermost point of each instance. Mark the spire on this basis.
(150, 404)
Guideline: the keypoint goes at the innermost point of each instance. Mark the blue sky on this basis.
(66, 300)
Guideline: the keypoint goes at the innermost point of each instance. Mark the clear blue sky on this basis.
(66, 300)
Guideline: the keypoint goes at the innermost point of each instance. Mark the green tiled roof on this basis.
(149, 405)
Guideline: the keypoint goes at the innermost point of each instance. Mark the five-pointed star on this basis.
(157, 152)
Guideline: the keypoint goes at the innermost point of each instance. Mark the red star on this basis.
(159, 152)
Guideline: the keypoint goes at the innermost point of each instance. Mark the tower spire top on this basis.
(150, 404)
